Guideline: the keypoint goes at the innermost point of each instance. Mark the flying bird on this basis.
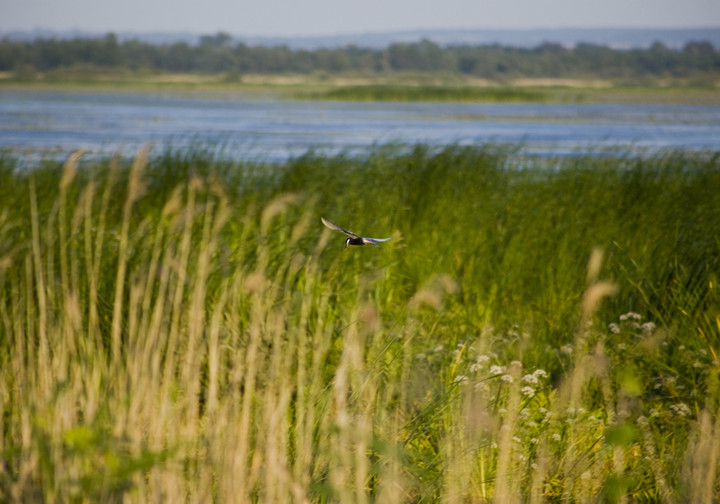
(353, 239)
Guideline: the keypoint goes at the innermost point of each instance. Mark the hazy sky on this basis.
(326, 17)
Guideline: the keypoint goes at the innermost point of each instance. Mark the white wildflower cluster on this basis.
(530, 380)
(692, 361)
(681, 409)
(648, 327)
(535, 377)
(482, 387)
(479, 363)
(632, 321)
(527, 391)
(497, 370)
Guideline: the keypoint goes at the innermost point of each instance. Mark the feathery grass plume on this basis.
(505, 487)
(133, 193)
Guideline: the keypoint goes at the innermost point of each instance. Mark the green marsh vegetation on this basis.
(182, 328)
(409, 87)
(503, 94)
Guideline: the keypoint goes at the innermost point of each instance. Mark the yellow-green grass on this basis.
(376, 87)
(179, 328)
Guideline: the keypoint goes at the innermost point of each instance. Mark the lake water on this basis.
(55, 123)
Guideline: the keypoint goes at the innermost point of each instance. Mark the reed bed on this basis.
(177, 328)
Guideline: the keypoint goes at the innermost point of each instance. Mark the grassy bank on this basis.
(389, 87)
(184, 329)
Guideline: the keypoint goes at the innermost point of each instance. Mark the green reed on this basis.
(179, 327)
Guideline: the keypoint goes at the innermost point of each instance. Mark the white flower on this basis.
(516, 439)
(534, 440)
(475, 367)
(516, 363)
(496, 370)
(648, 327)
(556, 437)
(614, 328)
(566, 349)
(482, 387)
(482, 359)
(530, 378)
(461, 379)
(438, 348)
(681, 409)
(421, 356)
(507, 378)
(630, 315)
(527, 391)
(540, 373)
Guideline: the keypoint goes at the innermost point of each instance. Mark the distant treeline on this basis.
(219, 54)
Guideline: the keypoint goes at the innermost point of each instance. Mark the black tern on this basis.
(354, 239)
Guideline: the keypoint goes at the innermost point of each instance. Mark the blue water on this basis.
(102, 123)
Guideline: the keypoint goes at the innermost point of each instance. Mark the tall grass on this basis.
(176, 328)
(435, 93)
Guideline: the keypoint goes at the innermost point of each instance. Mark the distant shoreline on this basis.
(394, 87)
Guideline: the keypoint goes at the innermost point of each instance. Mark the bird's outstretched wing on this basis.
(373, 240)
(335, 227)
